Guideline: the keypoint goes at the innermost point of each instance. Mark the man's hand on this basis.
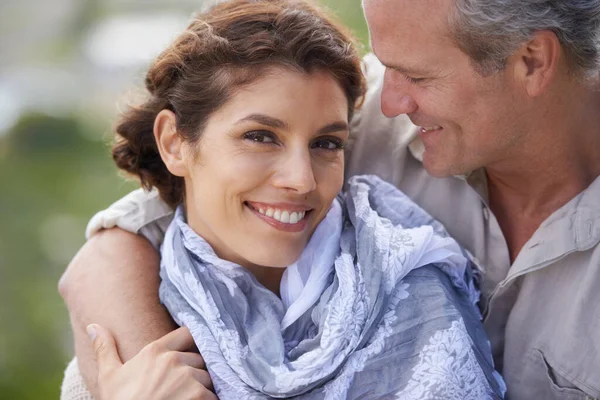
(164, 369)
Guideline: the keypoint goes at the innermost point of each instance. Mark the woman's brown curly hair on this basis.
(231, 45)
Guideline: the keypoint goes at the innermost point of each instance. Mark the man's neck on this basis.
(544, 175)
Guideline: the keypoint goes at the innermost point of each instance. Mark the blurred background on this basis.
(66, 66)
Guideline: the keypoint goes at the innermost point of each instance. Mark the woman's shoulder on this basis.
(430, 284)
(141, 212)
(370, 192)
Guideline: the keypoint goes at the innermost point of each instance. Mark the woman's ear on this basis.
(169, 142)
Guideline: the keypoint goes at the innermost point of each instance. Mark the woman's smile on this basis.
(285, 217)
(263, 176)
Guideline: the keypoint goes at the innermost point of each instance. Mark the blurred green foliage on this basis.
(55, 172)
(350, 13)
(53, 178)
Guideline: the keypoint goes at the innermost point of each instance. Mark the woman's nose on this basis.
(295, 172)
(395, 98)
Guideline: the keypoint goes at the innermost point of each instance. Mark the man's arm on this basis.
(113, 281)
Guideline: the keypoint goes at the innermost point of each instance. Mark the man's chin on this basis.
(436, 169)
(439, 168)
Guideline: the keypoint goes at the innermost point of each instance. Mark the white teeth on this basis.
(287, 217)
(430, 128)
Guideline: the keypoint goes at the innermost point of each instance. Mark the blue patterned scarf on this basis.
(395, 317)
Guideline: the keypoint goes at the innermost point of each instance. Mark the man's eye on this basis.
(260, 137)
(413, 80)
(328, 144)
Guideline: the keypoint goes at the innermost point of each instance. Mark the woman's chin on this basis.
(284, 258)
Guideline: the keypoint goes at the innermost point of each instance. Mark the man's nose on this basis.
(295, 172)
(395, 98)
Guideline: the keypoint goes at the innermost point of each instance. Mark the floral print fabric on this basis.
(397, 319)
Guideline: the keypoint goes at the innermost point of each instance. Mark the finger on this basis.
(179, 340)
(202, 377)
(194, 360)
(105, 348)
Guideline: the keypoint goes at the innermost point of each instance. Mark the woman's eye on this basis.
(260, 137)
(328, 144)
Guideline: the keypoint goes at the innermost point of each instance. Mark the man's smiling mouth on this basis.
(426, 129)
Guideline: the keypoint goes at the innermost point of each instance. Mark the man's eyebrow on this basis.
(265, 120)
(339, 126)
(405, 70)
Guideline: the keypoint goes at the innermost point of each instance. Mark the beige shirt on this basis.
(542, 313)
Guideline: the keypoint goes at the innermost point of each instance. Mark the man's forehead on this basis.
(404, 4)
(402, 17)
(396, 27)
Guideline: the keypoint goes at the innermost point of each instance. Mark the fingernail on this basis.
(91, 330)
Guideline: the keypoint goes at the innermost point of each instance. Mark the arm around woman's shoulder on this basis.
(113, 280)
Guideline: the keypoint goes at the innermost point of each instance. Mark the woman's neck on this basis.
(269, 277)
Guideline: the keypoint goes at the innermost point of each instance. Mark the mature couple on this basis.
(289, 289)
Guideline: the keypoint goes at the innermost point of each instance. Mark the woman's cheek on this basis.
(329, 171)
(257, 163)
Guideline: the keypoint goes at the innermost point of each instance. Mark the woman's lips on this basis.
(288, 218)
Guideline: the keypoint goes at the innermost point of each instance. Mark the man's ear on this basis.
(537, 61)
(169, 142)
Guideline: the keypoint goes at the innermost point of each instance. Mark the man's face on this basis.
(466, 121)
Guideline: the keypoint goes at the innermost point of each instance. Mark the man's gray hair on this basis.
(489, 31)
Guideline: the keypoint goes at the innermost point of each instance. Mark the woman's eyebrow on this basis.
(265, 120)
(339, 126)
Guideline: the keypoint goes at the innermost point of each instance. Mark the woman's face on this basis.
(267, 167)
